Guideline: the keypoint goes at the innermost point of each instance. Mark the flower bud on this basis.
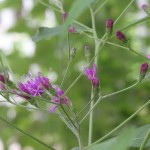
(145, 7)
(72, 29)
(73, 53)
(143, 71)
(64, 16)
(109, 26)
(121, 36)
(87, 52)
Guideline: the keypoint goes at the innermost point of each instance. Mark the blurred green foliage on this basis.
(118, 68)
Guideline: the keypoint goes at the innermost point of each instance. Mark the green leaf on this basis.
(77, 8)
(122, 142)
(140, 135)
(45, 32)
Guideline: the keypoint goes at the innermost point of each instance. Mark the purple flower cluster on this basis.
(33, 87)
(92, 75)
(37, 86)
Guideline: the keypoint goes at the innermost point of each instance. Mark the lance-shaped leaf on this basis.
(45, 33)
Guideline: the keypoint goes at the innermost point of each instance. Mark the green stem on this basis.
(120, 125)
(65, 74)
(123, 11)
(103, 97)
(20, 130)
(69, 117)
(145, 140)
(96, 11)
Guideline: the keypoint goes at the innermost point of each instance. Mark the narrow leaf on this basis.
(45, 32)
(140, 135)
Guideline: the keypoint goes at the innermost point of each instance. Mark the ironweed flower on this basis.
(92, 75)
(121, 36)
(109, 26)
(143, 71)
(59, 98)
(34, 87)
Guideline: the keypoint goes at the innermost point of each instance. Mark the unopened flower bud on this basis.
(145, 7)
(72, 29)
(143, 71)
(109, 26)
(87, 52)
(121, 36)
(73, 53)
(64, 16)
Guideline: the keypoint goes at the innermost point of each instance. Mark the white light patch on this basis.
(35, 68)
(11, 113)
(14, 146)
(52, 76)
(28, 148)
(26, 47)
(1, 145)
(8, 19)
(6, 43)
(1, 1)
(50, 19)
(27, 5)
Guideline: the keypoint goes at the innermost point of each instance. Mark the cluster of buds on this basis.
(146, 8)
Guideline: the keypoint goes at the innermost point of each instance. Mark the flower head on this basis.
(44, 81)
(143, 71)
(33, 87)
(121, 36)
(92, 75)
(59, 98)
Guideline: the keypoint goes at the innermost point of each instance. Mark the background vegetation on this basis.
(118, 69)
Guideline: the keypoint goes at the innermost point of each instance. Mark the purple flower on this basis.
(121, 36)
(33, 87)
(92, 75)
(44, 81)
(59, 98)
(143, 71)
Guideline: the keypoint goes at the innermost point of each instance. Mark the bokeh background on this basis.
(118, 68)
